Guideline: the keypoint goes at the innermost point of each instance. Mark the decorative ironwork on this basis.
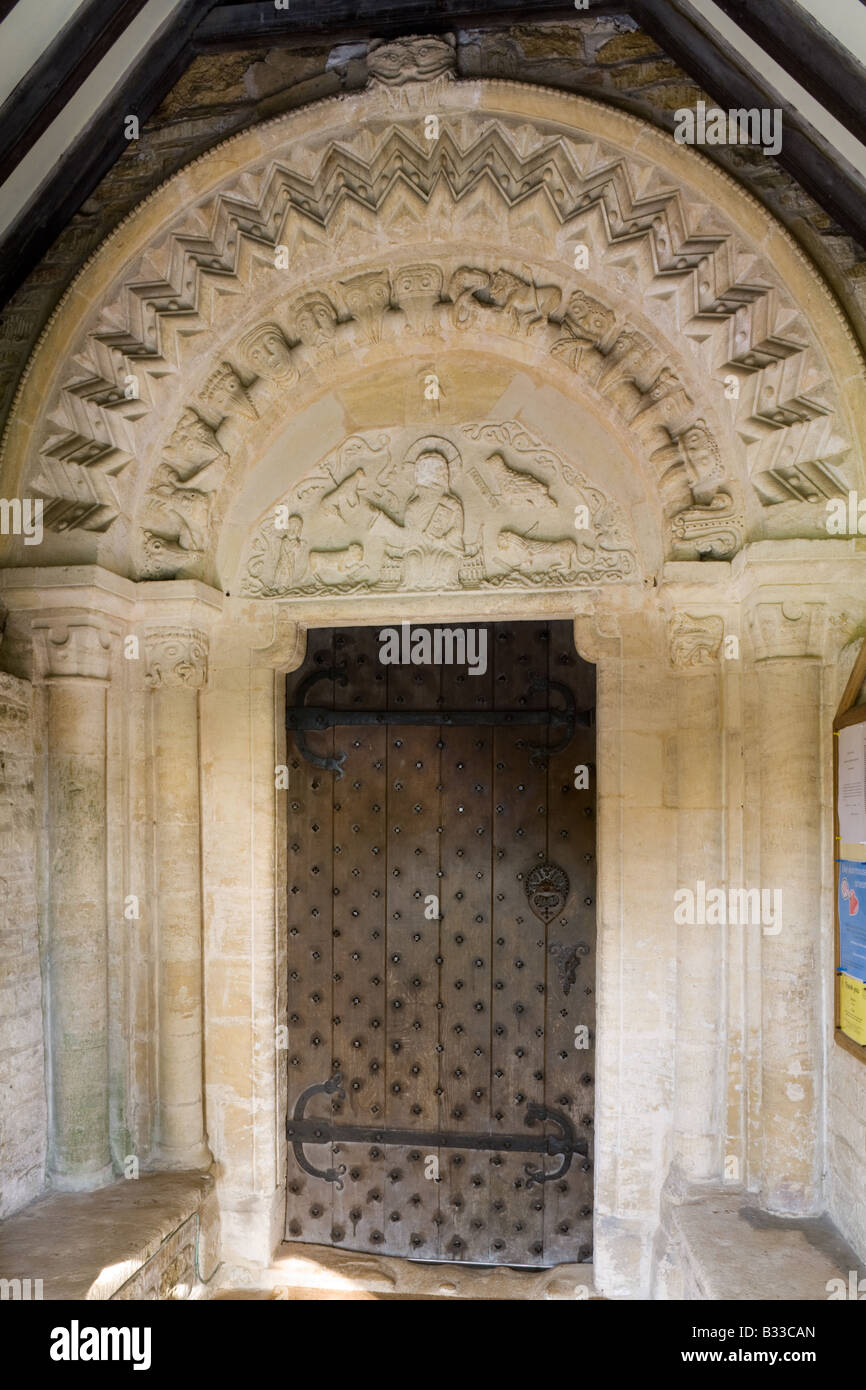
(547, 889)
(301, 1130)
(302, 718)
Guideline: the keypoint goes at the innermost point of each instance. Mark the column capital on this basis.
(175, 658)
(788, 629)
(69, 645)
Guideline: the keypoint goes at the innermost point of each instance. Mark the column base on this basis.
(82, 1181)
(190, 1160)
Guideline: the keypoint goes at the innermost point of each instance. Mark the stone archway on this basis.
(551, 302)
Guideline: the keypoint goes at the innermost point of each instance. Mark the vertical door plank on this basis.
(466, 973)
(359, 950)
(310, 963)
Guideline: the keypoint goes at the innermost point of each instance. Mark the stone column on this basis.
(176, 670)
(695, 648)
(787, 641)
(73, 662)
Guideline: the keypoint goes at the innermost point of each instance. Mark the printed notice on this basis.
(851, 805)
(852, 1008)
(852, 918)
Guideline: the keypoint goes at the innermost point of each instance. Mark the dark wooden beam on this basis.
(733, 84)
(259, 22)
(800, 45)
(97, 148)
(45, 89)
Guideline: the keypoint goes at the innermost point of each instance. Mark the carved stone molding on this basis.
(717, 292)
(175, 658)
(788, 629)
(695, 639)
(71, 648)
(288, 648)
(598, 637)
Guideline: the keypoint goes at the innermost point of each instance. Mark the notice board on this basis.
(849, 854)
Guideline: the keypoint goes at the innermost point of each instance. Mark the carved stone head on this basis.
(315, 319)
(431, 470)
(267, 353)
(592, 317)
(416, 59)
(192, 441)
(702, 453)
(224, 391)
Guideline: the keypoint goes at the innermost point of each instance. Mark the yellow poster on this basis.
(852, 1008)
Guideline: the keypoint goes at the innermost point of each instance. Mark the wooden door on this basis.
(442, 954)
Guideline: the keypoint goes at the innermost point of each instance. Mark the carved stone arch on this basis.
(142, 406)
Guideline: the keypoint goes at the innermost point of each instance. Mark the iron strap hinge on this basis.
(301, 1130)
(302, 718)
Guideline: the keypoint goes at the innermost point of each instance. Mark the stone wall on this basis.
(846, 1144)
(22, 1063)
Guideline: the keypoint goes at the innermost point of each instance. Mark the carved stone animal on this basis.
(532, 556)
(525, 302)
(332, 566)
(520, 489)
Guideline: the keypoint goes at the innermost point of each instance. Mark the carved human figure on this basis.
(697, 451)
(430, 534)
(266, 352)
(315, 319)
(586, 324)
(291, 558)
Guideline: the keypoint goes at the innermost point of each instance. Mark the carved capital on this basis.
(71, 649)
(175, 658)
(788, 630)
(695, 638)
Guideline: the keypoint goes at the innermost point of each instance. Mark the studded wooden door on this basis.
(456, 1028)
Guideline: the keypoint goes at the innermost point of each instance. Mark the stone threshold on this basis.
(307, 1272)
(722, 1247)
(102, 1244)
